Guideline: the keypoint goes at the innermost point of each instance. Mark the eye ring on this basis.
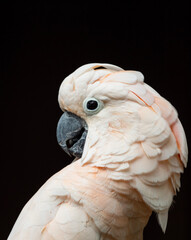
(92, 106)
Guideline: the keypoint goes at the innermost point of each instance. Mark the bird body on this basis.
(88, 204)
(131, 161)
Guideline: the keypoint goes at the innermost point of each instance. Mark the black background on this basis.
(45, 41)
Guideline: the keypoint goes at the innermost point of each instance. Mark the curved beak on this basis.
(71, 134)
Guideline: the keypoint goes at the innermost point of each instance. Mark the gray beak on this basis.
(71, 134)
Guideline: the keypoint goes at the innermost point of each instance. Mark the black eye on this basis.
(92, 104)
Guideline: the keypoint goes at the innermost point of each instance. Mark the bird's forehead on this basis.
(91, 81)
(75, 88)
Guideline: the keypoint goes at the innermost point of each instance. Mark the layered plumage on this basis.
(134, 153)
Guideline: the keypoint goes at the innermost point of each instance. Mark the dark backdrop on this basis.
(45, 41)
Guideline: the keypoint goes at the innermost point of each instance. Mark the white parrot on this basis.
(130, 150)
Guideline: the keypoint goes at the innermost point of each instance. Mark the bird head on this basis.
(114, 121)
(101, 100)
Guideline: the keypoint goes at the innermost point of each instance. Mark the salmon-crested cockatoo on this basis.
(130, 150)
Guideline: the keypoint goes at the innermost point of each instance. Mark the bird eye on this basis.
(92, 106)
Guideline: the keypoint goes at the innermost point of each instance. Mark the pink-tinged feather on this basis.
(179, 134)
